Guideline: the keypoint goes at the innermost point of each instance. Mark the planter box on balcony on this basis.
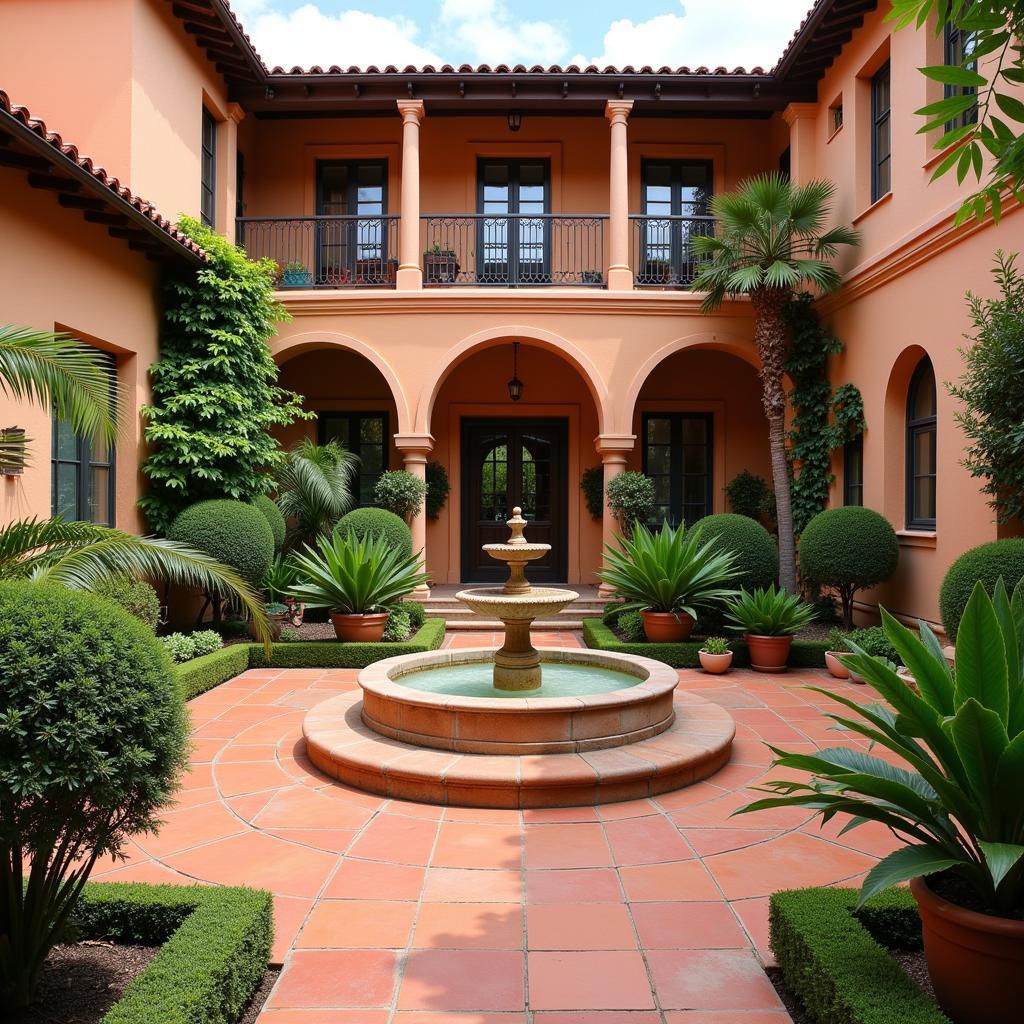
(440, 267)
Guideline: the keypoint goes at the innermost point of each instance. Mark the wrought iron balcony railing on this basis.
(661, 253)
(513, 250)
(327, 251)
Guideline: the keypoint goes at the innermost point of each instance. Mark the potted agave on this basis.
(769, 619)
(666, 576)
(357, 579)
(956, 800)
(716, 655)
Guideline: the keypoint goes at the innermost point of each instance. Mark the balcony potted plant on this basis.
(295, 275)
(440, 265)
(716, 655)
(769, 619)
(837, 648)
(667, 576)
(952, 794)
(357, 579)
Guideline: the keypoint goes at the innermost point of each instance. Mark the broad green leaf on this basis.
(947, 108)
(903, 865)
(932, 674)
(1007, 790)
(1001, 858)
(981, 665)
(980, 739)
(1010, 106)
(953, 74)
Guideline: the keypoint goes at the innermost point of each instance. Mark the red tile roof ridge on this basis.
(517, 69)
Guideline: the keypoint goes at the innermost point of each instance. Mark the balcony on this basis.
(661, 251)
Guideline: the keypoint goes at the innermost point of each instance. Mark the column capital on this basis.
(799, 111)
(618, 111)
(412, 444)
(611, 446)
(412, 111)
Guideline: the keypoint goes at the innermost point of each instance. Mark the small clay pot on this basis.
(365, 629)
(768, 653)
(667, 627)
(716, 664)
(975, 960)
(835, 666)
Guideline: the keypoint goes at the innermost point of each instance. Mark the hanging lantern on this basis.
(515, 385)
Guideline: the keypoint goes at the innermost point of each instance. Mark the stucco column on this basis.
(802, 119)
(410, 274)
(614, 450)
(620, 276)
(416, 449)
(227, 171)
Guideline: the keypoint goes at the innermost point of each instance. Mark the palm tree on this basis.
(770, 243)
(81, 555)
(315, 489)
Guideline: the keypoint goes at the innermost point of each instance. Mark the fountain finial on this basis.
(516, 525)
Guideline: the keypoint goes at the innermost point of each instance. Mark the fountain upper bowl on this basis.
(536, 603)
(516, 552)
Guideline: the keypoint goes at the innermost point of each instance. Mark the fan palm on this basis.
(315, 489)
(770, 243)
(82, 555)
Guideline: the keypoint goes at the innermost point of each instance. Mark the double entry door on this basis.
(505, 463)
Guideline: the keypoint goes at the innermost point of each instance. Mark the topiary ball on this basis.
(851, 545)
(361, 522)
(757, 556)
(275, 517)
(987, 563)
(234, 533)
(136, 597)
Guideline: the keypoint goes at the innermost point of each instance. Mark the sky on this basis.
(400, 32)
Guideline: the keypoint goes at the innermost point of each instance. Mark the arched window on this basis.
(921, 433)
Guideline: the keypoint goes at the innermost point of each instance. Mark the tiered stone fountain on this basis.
(518, 727)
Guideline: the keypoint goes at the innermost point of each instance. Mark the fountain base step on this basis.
(694, 747)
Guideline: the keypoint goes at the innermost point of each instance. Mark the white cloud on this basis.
(707, 32)
(489, 33)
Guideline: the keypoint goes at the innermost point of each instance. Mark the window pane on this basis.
(924, 453)
(924, 498)
(923, 397)
(371, 428)
(658, 460)
(66, 491)
(67, 442)
(99, 495)
(659, 430)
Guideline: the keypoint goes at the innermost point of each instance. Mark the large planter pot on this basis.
(667, 627)
(364, 629)
(716, 664)
(975, 961)
(835, 666)
(768, 653)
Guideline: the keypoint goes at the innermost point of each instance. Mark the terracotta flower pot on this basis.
(768, 653)
(667, 627)
(716, 664)
(975, 960)
(835, 666)
(365, 629)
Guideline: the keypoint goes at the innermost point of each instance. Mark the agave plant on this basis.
(315, 489)
(668, 571)
(280, 578)
(958, 803)
(355, 575)
(769, 612)
(84, 555)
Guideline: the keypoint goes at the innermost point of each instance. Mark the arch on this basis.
(922, 431)
(894, 434)
(493, 336)
(285, 348)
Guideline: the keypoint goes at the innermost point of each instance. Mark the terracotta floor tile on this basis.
(357, 924)
(185, 829)
(289, 913)
(472, 1017)
(573, 885)
(469, 926)
(302, 807)
(579, 926)
(700, 979)
(473, 845)
(272, 1016)
(727, 1017)
(589, 981)
(333, 840)
(687, 926)
(566, 846)
(555, 815)
(598, 1017)
(468, 885)
(647, 840)
(349, 979)
(237, 779)
(708, 841)
(753, 915)
(626, 809)
(396, 838)
(686, 880)
(374, 880)
(462, 979)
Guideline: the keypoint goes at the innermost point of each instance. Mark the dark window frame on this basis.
(676, 445)
(208, 162)
(917, 427)
(355, 418)
(84, 463)
(682, 270)
(953, 53)
(358, 267)
(880, 117)
(853, 490)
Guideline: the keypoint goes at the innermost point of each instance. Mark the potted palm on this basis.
(769, 619)
(716, 655)
(666, 576)
(357, 579)
(951, 793)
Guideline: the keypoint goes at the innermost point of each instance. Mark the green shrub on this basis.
(275, 517)
(592, 485)
(92, 743)
(201, 674)
(847, 549)
(206, 641)
(215, 947)
(364, 521)
(136, 597)
(631, 499)
(986, 563)
(398, 627)
(611, 612)
(180, 647)
(757, 557)
(236, 534)
(716, 645)
(437, 488)
(748, 494)
(630, 627)
(416, 612)
(398, 491)
(872, 640)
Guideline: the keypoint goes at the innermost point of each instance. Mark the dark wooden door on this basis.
(509, 462)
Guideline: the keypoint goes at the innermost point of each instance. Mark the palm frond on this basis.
(315, 488)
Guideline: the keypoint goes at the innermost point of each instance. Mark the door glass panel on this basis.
(67, 442)
(494, 479)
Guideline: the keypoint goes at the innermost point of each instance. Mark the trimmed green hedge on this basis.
(803, 654)
(331, 654)
(833, 964)
(215, 947)
(201, 674)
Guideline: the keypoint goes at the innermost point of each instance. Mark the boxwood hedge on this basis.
(215, 947)
(201, 674)
(803, 653)
(833, 961)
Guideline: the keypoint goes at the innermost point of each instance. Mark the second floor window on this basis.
(365, 434)
(958, 43)
(853, 472)
(352, 239)
(676, 198)
(881, 134)
(208, 171)
(677, 456)
(513, 241)
(921, 452)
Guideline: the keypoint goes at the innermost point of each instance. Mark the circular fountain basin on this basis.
(422, 699)
(497, 603)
